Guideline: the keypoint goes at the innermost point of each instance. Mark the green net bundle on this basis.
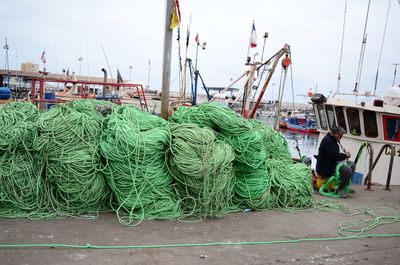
(202, 168)
(70, 139)
(291, 185)
(134, 144)
(256, 147)
(213, 115)
(22, 188)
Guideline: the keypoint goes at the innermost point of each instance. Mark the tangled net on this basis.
(256, 148)
(69, 139)
(87, 156)
(134, 144)
(202, 168)
(22, 189)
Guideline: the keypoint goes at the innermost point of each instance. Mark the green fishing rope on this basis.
(70, 139)
(22, 188)
(135, 167)
(202, 169)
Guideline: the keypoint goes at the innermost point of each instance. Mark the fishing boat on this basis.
(371, 121)
(371, 124)
(299, 123)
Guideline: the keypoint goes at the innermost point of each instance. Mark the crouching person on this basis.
(329, 155)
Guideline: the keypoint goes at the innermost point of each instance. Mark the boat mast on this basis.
(341, 48)
(380, 53)
(362, 52)
(7, 63)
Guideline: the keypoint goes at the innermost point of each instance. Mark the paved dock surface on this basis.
(258, 226)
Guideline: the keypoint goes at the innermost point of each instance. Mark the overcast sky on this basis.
(132, 32)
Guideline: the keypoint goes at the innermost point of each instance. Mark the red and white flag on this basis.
(253, 37)
(197, 39)
(43, 57)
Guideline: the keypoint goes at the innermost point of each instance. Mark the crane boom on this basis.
(275, 58)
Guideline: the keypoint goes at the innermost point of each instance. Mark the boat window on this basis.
(391, 128)
(330, 115)
(340, 117)
(353, 118)
(322, 117)
(371, 128)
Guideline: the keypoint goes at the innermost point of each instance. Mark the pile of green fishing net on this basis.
(70, 145)
(265, 175)
(22, 188)
(134, 144)
(88, 156)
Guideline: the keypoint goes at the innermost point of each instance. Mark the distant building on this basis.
(29, 67)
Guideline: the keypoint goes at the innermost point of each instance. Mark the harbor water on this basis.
(306, 142)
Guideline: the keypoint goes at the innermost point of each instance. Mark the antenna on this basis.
(341, 48)
(362, 52)
(380, 53)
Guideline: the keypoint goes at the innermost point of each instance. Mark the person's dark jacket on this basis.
(328, 156)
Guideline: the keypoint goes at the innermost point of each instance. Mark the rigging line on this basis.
(108, 65)
(291, 78)
(383, 41)
(87, 56)
(260, 76)
(278, 105)
(341, 48)
(362, 52)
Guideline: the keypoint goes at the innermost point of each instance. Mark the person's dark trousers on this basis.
(346, 174)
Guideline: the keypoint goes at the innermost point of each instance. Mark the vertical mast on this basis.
(166, 73)
(362, 52)
(341, 48)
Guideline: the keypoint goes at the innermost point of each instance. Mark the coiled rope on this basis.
(134, 144)
(22, 189)
(202, 169)
(265, 176)
(69, 139)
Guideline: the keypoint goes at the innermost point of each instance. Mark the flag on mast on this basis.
(43, 57)
(175, 16)
(253, 37)
(197, 39)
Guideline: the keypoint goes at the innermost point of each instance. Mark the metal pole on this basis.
(395, 72)
(362, 52)
(130, 72)
(265, 38)
(148, 74)
(80, 65)
(166, 73)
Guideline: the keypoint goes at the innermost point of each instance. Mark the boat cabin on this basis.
(371, 121)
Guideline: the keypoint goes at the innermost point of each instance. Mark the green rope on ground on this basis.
(70, 138)
(135, 167)
(208, 244)
(363, 225)
(202, 169)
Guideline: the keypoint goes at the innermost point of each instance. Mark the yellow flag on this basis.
(174, 19)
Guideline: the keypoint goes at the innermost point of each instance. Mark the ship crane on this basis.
(249, 74)
(274, 60)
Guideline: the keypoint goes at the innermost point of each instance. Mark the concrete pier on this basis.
(258, 226)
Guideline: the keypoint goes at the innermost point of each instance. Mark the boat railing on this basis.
(372, 163)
